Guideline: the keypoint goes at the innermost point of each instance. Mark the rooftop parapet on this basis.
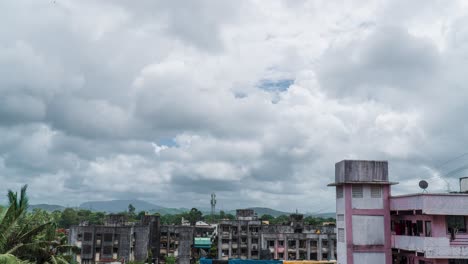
(361, 172)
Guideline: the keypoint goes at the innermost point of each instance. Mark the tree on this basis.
(68, 218)
(194, 215)
(170, 260)
(20, 234)
(131, 210)
(281, 219)
(267, 217)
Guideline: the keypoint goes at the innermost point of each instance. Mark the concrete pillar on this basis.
(331, 249)
(308, 249)
(249, 243)
(276, 249)
(230, 243)
(285, 254)
(297, 248)
(319, 247)
(220, 243)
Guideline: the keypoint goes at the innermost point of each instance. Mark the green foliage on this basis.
(280, 220)
(170, 260)
(267, 217)
(131, 209)
(68, 218)
(193, 216)
(30, 237)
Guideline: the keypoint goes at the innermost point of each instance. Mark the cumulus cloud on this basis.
(253, 100)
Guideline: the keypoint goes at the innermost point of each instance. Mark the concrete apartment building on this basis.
(247, 238)
(375, 227)
(116, 240)
(183, 241)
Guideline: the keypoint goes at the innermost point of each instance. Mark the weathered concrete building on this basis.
(179, 241)
(116, 240)
(247, 238)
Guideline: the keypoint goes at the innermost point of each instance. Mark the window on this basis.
(281, 242)
(107, 237)
(455, 223)
(357, 191)
(419, 225)
(341, 235)
(428, 228)
(340, 217)
(291, 243)
(376, 191)
(458, 261)
(280, 255)
(271, 243)
(88, 236)
(339, 192)
(107, 250)
(87, 249)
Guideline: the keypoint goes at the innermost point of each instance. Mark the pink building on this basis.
(375, 227)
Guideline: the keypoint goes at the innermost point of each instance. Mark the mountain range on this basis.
(116, 206)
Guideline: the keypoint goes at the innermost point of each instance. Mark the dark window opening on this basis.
(88, 236)
(428, 228)
(455, 224)
(87, 249)
(107, 250)
(107, 237)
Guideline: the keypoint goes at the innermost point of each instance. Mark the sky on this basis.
(169, 101)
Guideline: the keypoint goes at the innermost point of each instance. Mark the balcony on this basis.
(432, 247)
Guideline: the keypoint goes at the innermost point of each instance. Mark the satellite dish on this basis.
(423, 185)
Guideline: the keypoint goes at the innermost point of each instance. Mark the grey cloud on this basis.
(388, 61)
(91, 90)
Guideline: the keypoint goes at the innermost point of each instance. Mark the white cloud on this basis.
(117, 99)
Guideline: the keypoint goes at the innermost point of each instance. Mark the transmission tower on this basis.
(213, 204)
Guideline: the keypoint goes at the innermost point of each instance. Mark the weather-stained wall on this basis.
(369, 199)
(361, 258)
(368, 230)
(340, 224)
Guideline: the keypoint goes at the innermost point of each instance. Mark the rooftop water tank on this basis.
(464, 184)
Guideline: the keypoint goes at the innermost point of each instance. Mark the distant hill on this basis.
(263, 210)
(324, 215)
(164, 211)
(116, 206)
(46, 207)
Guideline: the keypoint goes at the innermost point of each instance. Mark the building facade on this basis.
(375, 227)
(180, 241)
(249, 238)
(116, 240)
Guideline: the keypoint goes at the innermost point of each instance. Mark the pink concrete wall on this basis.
(385, 212)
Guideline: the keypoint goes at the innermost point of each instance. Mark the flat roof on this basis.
(429, 194)
(362, 182)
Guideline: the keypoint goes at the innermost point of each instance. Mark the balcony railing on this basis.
(433, 247)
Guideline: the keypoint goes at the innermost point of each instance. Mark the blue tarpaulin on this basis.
(252, 261)
(206, 261)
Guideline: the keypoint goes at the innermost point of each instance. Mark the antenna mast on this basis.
(213, 204)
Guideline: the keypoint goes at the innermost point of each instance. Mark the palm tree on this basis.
(22, 237)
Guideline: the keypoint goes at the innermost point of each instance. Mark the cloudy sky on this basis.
(168, 101)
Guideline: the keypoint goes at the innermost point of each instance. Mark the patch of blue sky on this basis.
(275, 85)
(168, 142)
